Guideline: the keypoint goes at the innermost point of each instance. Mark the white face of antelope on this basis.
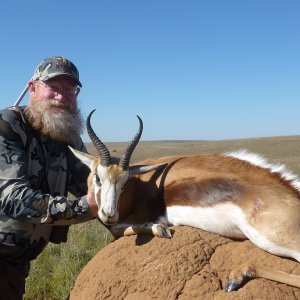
(108, 182)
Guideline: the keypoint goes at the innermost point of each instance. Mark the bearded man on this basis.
(38, 170)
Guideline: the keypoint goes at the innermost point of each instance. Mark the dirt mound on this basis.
(192, 265)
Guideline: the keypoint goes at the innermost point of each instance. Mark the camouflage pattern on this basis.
(56, 66)
(36, 174)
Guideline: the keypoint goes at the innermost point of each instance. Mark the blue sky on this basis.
(193, 70)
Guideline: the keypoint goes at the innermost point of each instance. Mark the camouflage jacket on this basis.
(36, 174)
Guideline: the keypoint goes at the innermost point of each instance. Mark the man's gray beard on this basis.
(60, 122)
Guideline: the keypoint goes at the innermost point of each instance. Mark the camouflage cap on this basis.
(56, 66)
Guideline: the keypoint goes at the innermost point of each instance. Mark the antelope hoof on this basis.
(233, 285)
(239, 277)
(161, 231)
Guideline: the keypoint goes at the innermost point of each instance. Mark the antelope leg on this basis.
(239, 276)
(159, 230)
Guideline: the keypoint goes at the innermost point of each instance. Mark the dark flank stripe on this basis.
(202, 193)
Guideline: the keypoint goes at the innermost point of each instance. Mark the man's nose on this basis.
(60, 96)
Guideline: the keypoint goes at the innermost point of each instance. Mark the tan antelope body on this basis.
(237, 195)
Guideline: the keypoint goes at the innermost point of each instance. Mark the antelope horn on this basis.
(101, 148)
(124, 162)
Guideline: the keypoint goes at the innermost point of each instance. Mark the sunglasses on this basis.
(71, 92)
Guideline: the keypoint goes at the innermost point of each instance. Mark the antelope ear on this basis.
(83, 157)
(141, 169)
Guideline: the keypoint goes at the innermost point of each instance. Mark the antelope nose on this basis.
(107, 215)
(108, 219)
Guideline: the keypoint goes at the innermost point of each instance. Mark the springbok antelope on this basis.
(238, 195)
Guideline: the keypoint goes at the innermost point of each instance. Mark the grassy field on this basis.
(54, 272)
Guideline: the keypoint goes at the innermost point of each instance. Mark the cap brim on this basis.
(53, 75)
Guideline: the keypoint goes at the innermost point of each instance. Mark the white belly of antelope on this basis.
(225, 219)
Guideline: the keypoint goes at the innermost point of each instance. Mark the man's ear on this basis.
(31, 86)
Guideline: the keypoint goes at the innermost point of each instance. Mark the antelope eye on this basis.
(97, 178)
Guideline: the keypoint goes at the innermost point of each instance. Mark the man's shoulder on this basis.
(10, 114)
(11, 123)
